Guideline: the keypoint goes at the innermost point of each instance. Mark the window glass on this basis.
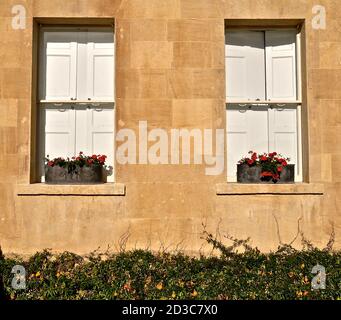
(261, 92)
(76, 90)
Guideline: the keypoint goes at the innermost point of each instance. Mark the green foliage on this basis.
(141, 274)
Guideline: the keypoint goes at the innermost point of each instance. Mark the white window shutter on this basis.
(283, 134)
(57, 132)
(247, 129)
(95, 130)
(245, 66)
(100, 66)
(58, 72)
(100, 133)
(281, 77)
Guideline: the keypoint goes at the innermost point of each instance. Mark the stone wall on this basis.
(170, 71)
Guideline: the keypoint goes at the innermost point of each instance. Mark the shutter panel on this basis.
(281, 77)
(100, 132)
(247, 129)
(100, 66)
(95, 131)
(57, 132)
(58, 75)
(283, 134)
(245, 65)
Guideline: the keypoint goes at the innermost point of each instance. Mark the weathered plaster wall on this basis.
(170, 72)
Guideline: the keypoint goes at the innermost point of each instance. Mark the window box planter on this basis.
(81, 175)
(78, 170)
(265, 168)
(252, 174)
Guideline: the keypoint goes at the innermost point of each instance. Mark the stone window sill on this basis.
(42, 189)
(269, 189)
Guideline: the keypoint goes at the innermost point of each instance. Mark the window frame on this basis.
(73, 105)
(270, 104)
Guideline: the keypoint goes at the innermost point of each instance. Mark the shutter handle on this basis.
(280, 106)
(242, 105)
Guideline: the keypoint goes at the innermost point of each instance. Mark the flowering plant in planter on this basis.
(80, 161)
(78, 169)
(269, 166)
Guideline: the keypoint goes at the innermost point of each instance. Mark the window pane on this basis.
(77, 65)
(57, 133)
(100, 66)
(281, 65)
(245, 66)
(247, 129)
(283, 133)
(95, 131)
(58, 66)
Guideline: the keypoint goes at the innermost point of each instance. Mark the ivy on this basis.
(142, 274)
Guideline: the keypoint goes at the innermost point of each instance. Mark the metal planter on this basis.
(82, 175)
(252, 174)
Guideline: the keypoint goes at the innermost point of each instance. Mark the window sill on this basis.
(269, 189)
(42, 189)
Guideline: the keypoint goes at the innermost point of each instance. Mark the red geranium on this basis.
(272, 164)
(77, 161)
(266, 174)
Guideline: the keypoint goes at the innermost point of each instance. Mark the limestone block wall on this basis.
(170, 71)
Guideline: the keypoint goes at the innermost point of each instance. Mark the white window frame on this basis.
(275, 103)
(74, 103)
